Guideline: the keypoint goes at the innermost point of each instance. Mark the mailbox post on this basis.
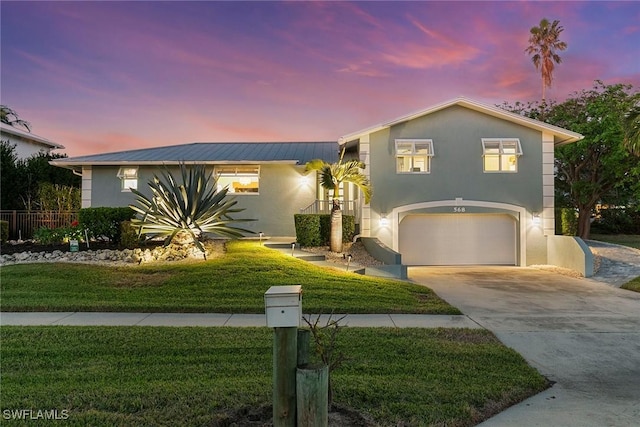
(283, 307)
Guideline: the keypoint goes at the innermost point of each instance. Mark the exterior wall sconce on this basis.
(536, 219)
(304, 180)
(384, 221)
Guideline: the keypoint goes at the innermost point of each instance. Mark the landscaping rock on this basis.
(170, 253)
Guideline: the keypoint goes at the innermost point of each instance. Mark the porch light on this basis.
(536, 219)
(384, 221)
(304, 180)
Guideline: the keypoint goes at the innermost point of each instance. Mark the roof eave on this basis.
(63, 163)
(565, 136)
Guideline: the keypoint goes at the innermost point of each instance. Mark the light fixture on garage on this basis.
(384, 221)
(536, 219)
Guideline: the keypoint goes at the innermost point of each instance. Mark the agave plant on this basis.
(192, 207)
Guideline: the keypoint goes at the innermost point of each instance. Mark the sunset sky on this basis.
(110, 76)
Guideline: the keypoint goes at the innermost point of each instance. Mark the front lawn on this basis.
(140, 376)
(233, 283)
(633, 285)
(631, 240)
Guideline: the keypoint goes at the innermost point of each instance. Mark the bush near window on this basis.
(4, 231)
(105, 222)
(315, 229)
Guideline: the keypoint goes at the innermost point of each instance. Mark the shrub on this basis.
(47, 236)
(129, 237)
(618, 221)
(105, 222)
(566, 221)
(185, 210)
(315, 229)
(4, 231)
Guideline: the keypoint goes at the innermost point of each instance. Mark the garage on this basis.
(458, 239)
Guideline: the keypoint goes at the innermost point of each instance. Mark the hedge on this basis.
(315, 229)
(4, 231)
(105, 222)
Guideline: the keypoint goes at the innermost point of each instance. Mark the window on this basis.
(501, 154)
(413, 155)
(129, 177)
(239, 179)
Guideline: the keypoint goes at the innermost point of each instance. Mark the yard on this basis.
(137, 376)
(631, 240)
(234, 283)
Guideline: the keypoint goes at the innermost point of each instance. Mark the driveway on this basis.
(580, 333)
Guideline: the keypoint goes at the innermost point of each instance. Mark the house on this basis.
(267, 179)
(26, 144)
(459, 183)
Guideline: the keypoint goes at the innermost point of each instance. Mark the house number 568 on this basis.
(459, 210)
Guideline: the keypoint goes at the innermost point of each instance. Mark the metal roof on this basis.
(214, 152)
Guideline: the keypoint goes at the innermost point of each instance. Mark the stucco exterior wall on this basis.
(457, 174)
(282, 193)
(572, 253)
(457, 167)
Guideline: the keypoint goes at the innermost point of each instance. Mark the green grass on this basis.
(631, 240)
(139, 376)
(233, 283)
(633, 285)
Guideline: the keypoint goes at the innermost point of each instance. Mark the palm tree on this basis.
(632, 130)
(10, 117)
(331, 177)
(544, 41)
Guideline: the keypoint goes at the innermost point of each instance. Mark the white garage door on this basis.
(458, 239)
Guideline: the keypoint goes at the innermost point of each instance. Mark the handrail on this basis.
(348, 207)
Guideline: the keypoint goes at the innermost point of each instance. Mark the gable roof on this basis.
(28, 136)
(561, 136)
(213, 153)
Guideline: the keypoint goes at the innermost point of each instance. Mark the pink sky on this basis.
(112, 76)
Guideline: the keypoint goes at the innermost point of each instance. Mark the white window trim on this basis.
(217, 173)
(501, 153)
(413, 143)
(125, 174)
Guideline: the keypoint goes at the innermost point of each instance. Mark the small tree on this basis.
(188, 208)
(325, 338)
(331, 177)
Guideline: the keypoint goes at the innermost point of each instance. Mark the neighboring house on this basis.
(267, 179)
(26, 144)
(460, 183)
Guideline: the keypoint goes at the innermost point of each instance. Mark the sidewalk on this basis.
(225, 319)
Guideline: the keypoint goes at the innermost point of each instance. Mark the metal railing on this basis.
(348, 207)
(22, 224)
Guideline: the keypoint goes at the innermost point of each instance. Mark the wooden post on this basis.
(313, 396)
(304, 337)
(285, 351)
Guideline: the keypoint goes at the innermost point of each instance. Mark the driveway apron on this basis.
(581, 334)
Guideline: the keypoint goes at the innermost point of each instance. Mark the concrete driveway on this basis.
(580, 333)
